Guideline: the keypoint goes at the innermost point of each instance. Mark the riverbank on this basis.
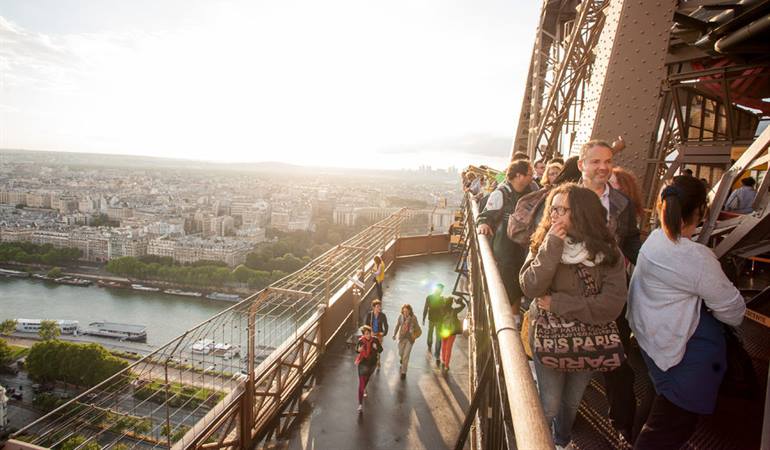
(97, 274)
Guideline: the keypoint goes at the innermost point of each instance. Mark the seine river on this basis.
(165, 316)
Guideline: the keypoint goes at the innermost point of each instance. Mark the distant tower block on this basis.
(624, 94)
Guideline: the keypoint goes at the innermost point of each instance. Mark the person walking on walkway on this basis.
(596, 166)
(450, 328)
(407, 330)
(379, 274)
(434, 311)
(678, 297)
(368, 348)
(378, 322)
(576, 275)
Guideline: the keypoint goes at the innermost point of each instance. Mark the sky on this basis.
(338, 83)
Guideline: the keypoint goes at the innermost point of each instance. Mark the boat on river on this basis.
(33, 325)
(224, 297)
(139, 287)
(182, 293)
(72, 281)
(122, 331)
(13, 273)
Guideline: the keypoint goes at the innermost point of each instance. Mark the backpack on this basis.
(522, 223)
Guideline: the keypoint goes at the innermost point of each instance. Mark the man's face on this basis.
(377, 309)
(539, 169)
(520, 182)
(597, 165)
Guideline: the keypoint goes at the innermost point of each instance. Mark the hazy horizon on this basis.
(340, 84)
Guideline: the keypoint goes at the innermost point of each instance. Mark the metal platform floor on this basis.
(425, 411)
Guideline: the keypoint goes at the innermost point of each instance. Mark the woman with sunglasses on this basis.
(571, 248)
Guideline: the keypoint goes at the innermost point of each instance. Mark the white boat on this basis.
(224, 297)
(139, 287)
(182, 293)
(13, 273)
(123, 331)
(203, 346)
(33, 325)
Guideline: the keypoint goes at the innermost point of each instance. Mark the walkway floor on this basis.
(424, 411)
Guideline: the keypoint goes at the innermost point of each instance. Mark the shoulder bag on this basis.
(574, 346)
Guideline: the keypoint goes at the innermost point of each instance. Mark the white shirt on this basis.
(605, 199)
(664, 297)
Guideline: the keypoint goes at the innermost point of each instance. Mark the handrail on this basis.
(527, 417)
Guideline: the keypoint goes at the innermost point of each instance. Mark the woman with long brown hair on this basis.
(575, 274)
(406, 331)
(626, 182)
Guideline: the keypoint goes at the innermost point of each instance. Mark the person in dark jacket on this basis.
(450, 328)
(368, 349)
(378, 322)
(434, 310)
(493, 221)
(596, 166)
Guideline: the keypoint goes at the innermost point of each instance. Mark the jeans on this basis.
(560, 394)
(434, 328)
(378, 285)
(363, 380)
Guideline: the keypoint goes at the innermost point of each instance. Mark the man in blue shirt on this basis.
(379, 323)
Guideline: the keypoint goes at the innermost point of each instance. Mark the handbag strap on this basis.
(589, 284)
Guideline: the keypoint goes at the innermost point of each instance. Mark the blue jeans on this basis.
(434, 327)
(560, 394)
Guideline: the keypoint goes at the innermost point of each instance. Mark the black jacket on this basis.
(434, 308)
(623, 224)
(383, 322)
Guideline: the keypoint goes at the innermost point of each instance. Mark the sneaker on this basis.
(360, 408)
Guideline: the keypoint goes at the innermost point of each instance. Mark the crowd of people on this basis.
(444, 325)
(565, 236)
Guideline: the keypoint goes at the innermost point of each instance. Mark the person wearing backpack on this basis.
(407, 331)
(493, 221)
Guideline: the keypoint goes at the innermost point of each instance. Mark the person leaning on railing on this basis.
(678, 297)
(493, 221)
(575, 272)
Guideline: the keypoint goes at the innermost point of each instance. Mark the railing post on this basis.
(247, 400)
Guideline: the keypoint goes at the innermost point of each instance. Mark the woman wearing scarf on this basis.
(575, 272)
(405, 332)
(368, 348)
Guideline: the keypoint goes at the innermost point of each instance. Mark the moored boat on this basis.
(72, 281)
(111, 284)
(13, 273)
(122, 331)
(182, 293)
(224, 297)
(139, 287)
(33, 325)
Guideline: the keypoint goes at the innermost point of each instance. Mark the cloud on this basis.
(478, 144)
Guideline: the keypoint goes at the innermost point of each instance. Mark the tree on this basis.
(54, 273)
(7, 326)
(77, 442)
(49, 330)
(6, 353)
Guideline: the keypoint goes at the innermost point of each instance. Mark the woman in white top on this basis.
(677, 298)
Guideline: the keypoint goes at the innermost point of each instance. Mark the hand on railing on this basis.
(485, 229)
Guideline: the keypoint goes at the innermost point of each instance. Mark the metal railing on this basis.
(505, 410)
(223, 383)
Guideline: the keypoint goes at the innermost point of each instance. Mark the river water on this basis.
(165, 316)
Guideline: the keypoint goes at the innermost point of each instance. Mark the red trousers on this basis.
(363, 380)
(446, 349)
